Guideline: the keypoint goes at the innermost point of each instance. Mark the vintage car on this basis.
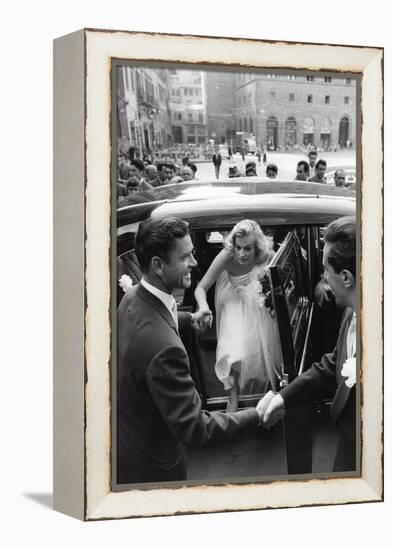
(294, 214)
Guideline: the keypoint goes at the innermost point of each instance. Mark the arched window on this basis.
(290, 132)
(308, 131)
(343, 132)
(272, 133)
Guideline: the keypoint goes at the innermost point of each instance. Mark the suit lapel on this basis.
(343, 391)
(157, 305)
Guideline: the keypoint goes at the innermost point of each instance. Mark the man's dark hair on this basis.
(157, 238)
(306, 166)
(312, 152)
(341, 235)
(193, 167)
(321, 162)
(161, 165)
(138, 164)
(271, 167)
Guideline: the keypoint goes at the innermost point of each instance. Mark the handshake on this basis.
(270, 409)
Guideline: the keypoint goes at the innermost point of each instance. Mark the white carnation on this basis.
(349, 372)
(125, 282)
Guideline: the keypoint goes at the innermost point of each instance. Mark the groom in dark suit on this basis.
(335, 375)
(159, 411)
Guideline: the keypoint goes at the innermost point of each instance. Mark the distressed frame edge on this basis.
(69, 274)
(99, 510)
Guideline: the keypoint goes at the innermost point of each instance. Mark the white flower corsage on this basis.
(125, 283)
(349, 372)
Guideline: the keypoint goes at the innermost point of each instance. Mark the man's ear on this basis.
(156, 265)
(348, 278)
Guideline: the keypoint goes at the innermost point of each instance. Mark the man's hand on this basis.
(275, 411)
(263, 405)
(201, 319)
(323, 293)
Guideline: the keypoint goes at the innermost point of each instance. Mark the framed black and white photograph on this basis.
(220, 222)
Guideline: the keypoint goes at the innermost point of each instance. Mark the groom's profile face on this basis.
(177, 270)
(334, 279)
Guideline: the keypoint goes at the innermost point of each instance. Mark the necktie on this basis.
(174, 310)
(351, 337)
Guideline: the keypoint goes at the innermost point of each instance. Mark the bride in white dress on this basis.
(248, 346)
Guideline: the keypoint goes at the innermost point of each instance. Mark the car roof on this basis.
(224, 202)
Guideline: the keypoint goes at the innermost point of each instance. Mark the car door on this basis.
(290, 293)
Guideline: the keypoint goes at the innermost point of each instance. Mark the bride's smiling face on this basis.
(244, 249)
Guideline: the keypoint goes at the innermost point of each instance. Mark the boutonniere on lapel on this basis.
(125, 283)
(349, 372)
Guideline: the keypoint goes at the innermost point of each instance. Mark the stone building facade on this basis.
(187, 91)
(287, 111)
(143, 108)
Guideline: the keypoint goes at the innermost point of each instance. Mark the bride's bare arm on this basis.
(217, 266)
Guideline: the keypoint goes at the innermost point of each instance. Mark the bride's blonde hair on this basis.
(263, 243)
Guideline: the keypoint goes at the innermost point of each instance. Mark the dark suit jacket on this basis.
(324, 380)
(158, 408)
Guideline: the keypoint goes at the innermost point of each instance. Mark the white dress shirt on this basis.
(351, 337)
(167, 299)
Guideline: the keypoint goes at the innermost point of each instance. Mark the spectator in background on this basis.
(271, 171)
(320, 169)
(151, 173)
(339, 178)
(170, 171)
(194, 169)
(136, 181)
(302, 170)
(123, 169)
(312, 159)
(162, 173)
(251, 169)
(234, 172)
(217, 163)
(186, 173)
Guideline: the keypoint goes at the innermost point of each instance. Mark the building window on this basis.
(189, 116)
(346, 100)
(327, 99)
(348, 80)
(271, 75)
(272, 95)
(291, 77)
(291, 97)
(309, 99)
(200, 117)
(179, 116)
(328, 78)
(309, 78)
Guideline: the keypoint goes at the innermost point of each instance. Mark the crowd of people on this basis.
(159, 411)
(143, 174)
(134, 175)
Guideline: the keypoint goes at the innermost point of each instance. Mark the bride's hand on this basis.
(202, 319)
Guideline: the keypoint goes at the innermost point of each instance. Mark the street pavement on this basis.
(286, 163)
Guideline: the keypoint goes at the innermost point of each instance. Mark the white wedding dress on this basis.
(247, 335)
